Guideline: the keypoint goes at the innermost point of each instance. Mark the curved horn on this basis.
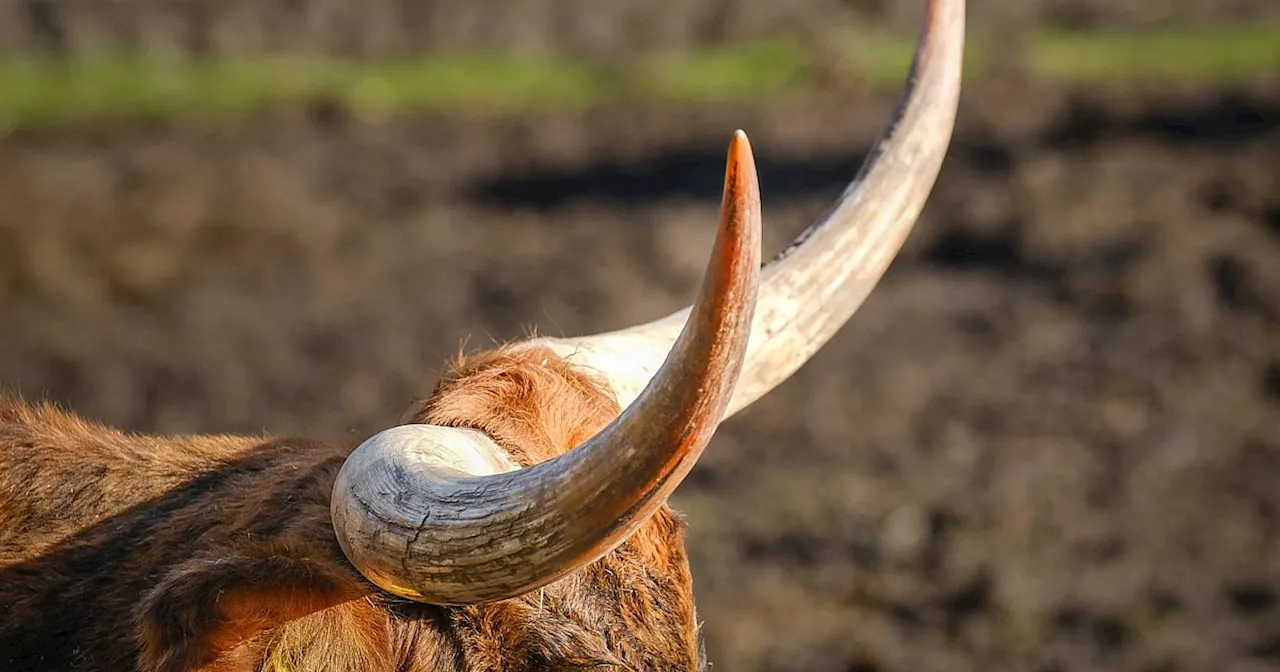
(810, 290)
(441, 515)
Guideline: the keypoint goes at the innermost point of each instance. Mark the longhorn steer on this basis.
(517, 521)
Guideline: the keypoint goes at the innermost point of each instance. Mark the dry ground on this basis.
(614, 30)
(1049, 441)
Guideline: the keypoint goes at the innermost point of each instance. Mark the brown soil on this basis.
(611, 30)
(1049, 440)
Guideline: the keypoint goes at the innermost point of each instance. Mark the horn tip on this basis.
(741, 159)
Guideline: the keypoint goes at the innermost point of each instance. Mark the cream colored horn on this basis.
(441, 515)
(814, 287)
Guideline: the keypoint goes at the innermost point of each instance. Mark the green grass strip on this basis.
(114, 86)
(1178, 54)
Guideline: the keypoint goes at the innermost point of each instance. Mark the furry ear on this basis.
(206, 612)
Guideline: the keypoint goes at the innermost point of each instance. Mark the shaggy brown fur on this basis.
(121, 552)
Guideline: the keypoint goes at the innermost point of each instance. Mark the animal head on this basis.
(516, 520)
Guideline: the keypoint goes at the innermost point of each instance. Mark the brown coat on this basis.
(124, 552)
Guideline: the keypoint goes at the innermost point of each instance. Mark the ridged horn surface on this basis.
(441, 515)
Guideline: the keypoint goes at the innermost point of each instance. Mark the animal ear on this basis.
(205, 611)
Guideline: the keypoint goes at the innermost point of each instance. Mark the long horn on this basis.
(441, 515)
(810, 290)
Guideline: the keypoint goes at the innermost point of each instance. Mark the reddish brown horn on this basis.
(440, 515)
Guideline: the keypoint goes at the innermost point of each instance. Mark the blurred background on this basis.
(1049, 441)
